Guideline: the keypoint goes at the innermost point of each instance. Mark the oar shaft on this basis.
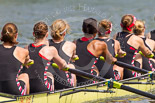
(86, 75)
(125, 65)
(138, 91)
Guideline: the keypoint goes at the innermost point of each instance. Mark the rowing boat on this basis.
(85, 93)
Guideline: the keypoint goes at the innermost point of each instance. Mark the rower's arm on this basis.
(106, 54)
(148, 35)
(58, 60)
(114, 37)
(118, 49)
(143, 48)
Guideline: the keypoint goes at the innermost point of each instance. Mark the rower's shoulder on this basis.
(98, 43)
(150, 40)
(49, 48)
(136, 38)
(70, 44)
(22, 50)
(115, 35)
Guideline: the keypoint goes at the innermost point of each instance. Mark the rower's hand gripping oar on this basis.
(111, 84)
(130, 67)
(149, 56)
(29, 63)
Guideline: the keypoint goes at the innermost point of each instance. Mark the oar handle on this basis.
(128, 66)
(81, 73)
(133, 90)
(149, 56)
(29, 63)
(86, 75)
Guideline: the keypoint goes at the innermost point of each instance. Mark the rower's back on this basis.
(130, 43)
(105, 28)
(12, 58)
(86, 58)
(139, 30)
(66, 50)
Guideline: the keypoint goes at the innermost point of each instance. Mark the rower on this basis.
(107, 70)
(40, 79)
(151, 35)
(88, 50)
(146, 63)
(130, 43)
(12, 81)
(66, 50)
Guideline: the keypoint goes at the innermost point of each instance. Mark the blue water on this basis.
(25, 13)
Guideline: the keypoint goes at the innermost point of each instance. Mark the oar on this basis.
(114, 83)
(81, 73)
(29, 63)
(128, 66)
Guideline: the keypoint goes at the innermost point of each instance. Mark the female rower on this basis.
(66, 50)
(130, 43)
(40, 79)
(12, 57)
(146, 63)
(106, 70)
(88, 50)
(151, 35)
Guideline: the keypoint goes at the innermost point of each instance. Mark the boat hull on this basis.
(78, 97)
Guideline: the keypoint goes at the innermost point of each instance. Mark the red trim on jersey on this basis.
(132, 48)
(42, 56)
(91, 53)
(86, 39)
(37, 45)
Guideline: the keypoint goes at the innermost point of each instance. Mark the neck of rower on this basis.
(58, 41)
(41, 41)
(106, 36)
(7, 45)
(141, 35)
(128, 31)
(88, 36)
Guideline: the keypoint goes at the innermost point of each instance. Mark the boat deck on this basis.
(80, 96)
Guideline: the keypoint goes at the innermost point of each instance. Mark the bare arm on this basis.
(148, 35)
(106, 54)
(114, 37)
(58, 60)
(118, 49)
(143, 48)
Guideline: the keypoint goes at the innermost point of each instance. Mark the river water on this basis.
(25, 13)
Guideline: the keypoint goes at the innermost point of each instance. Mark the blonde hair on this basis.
(139, 27)
(104, 26)
(58, 27)
(8, 33)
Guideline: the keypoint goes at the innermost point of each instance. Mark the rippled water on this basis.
(25, 13)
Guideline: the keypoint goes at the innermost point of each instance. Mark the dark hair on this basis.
(126, 21)
(40, 29)
(8, 33)
(90, 26)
